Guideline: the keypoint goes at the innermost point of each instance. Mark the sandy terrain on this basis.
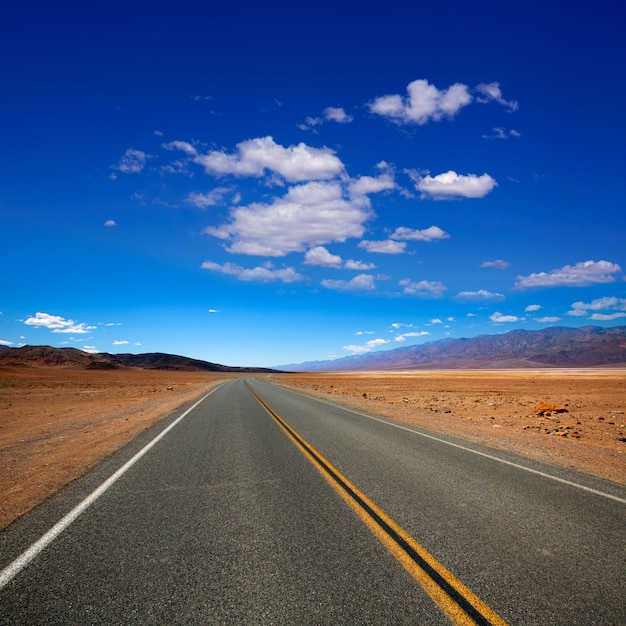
(56, 423)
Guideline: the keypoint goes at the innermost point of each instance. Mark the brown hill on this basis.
(47, 356)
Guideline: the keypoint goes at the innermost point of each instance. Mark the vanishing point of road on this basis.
(260, 505)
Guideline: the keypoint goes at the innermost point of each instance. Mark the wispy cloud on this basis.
(498, 264)
(482, 295)
(367, 347)
(502, 133)
(583, 274)
(266, 273)
(362, 282)
(330, 114)
(601, 309)
(387, 246)
(423, 288)
(211, 198)
(499, 318)
(491, 92)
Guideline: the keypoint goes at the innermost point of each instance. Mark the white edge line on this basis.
(488, 456)
(22, 561)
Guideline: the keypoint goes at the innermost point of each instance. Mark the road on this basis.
(264, 506)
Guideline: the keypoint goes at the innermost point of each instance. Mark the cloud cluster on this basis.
(58, 324)
(583, 274)
(601, 309)
(423, 102)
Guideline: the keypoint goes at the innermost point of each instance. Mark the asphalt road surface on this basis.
(263, 506)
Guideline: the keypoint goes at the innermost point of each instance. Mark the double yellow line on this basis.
(456, 601)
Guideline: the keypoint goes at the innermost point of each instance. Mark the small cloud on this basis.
(404, 336)
(132, 162)
(491, 92)
(158, 133)
(211, 198)
(265, 274)
(436, 320)
(432, 233)
(360, 266)
(423, 288)
(362, 282)
(533, 307)
(367, 347)
(321, 256)
(583, 274)
(498, 264)
(3, 342)
(499, 318)
(110, 223)
(383, 247)
(482, 295)
(550, 319)
(450, 185)
(330, 114)
(122, 342)
(214, 311)
(90, 349)
(183, 146)
(501, 133)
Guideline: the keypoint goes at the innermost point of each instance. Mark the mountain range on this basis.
(47, 356)
(589, 346)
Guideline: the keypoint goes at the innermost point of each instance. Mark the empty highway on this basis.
(259, 505)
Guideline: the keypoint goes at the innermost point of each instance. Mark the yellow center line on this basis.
(458, 602)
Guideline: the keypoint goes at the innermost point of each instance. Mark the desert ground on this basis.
(56, 423)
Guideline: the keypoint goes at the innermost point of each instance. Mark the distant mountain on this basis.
(47, 356)
(589, 346)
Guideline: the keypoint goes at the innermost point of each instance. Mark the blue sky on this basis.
(263, 185)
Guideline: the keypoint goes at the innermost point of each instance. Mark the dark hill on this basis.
(47, 356)
(589, 346)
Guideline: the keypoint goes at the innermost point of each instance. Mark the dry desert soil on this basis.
(56, 423)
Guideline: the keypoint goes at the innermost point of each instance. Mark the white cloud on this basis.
(337, 114)
(90, 349)
(424, 102)
(321, 256)
(436, 320)
(383, 247)
(482, 295)
(265, 273)
(214, 311)
(498, 264)
(110, 223)
(492, 92)
(423, 288)
(132, 162)
(583, 274)
(498, 318)
(57, 324)
(452, 185)
(609, 303)
(121, 342)
(360, 266)
(330, 114)
(533, 307)
(183, 146)
(256, 156)
(362, 282)
(432, 233)
(550, 319)
(211, 198)
(371, 184)
(308, 215)
(368, 346)
(404, 336)
(5, 343)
